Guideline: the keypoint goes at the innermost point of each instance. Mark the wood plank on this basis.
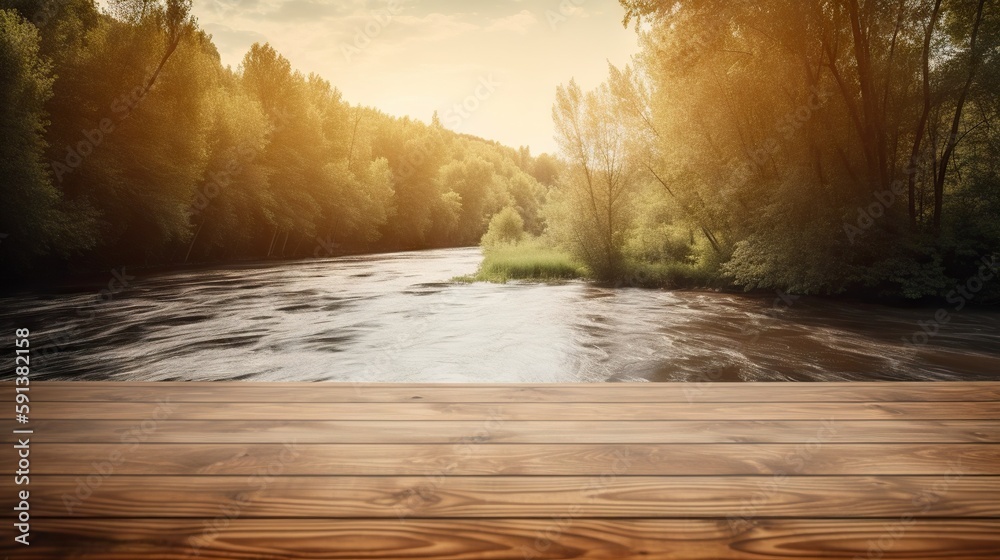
(817, 458)
(737, 498)
(580, 431)
(499, 412)
(512, 471)
(113, 391)
(567, 537)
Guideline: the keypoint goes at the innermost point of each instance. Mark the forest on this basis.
(125, 141)
(810, 146)
(807, 146)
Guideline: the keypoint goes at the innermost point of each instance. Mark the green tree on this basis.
(506, 228)
(824, 145)
(599, 187)
(31, 218)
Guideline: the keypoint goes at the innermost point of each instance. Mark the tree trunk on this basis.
(873, 125)
(285, 244)
(911, 170)
(193, 239)
(273, 239)
(949, 149)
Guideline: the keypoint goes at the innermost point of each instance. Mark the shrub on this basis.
(506, 228)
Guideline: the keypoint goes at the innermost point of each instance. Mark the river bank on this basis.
(398, 318)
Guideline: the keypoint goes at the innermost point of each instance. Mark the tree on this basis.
(31, 217)
(476, 184)
(232, 201)
(601, 182)
(819, 142)
(506, 228)
(546, 169)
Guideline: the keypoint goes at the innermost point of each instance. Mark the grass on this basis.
(527, 261)
(534, 262)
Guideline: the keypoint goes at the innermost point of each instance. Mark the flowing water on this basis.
(399, 318)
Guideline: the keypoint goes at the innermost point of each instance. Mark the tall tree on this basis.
(601, 183)
(32, 220)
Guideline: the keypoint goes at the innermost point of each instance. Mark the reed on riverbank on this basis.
(529, 261)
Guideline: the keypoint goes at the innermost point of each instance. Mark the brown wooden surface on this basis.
(529, 459)
(542, 431)
(616, 471)
(513, 539)
(706, 391)
(516, 496)
(411, 411)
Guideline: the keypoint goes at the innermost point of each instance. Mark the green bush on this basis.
(506, 228)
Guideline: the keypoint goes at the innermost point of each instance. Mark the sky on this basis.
(489, 67)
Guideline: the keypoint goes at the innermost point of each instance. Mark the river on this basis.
(399, 318)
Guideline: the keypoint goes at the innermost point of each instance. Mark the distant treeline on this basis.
(125, 141)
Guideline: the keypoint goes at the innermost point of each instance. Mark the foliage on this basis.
(530, 260)
(35, 220)
(127, 142)
(823, 146)
(596, 194)
(506, 228)
(820, 146)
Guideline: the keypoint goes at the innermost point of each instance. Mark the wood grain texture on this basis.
(513, 497)
(508, 539)
(500, 412)
(531, 431)
(113, 391)
(514, 472)
(515, 459)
